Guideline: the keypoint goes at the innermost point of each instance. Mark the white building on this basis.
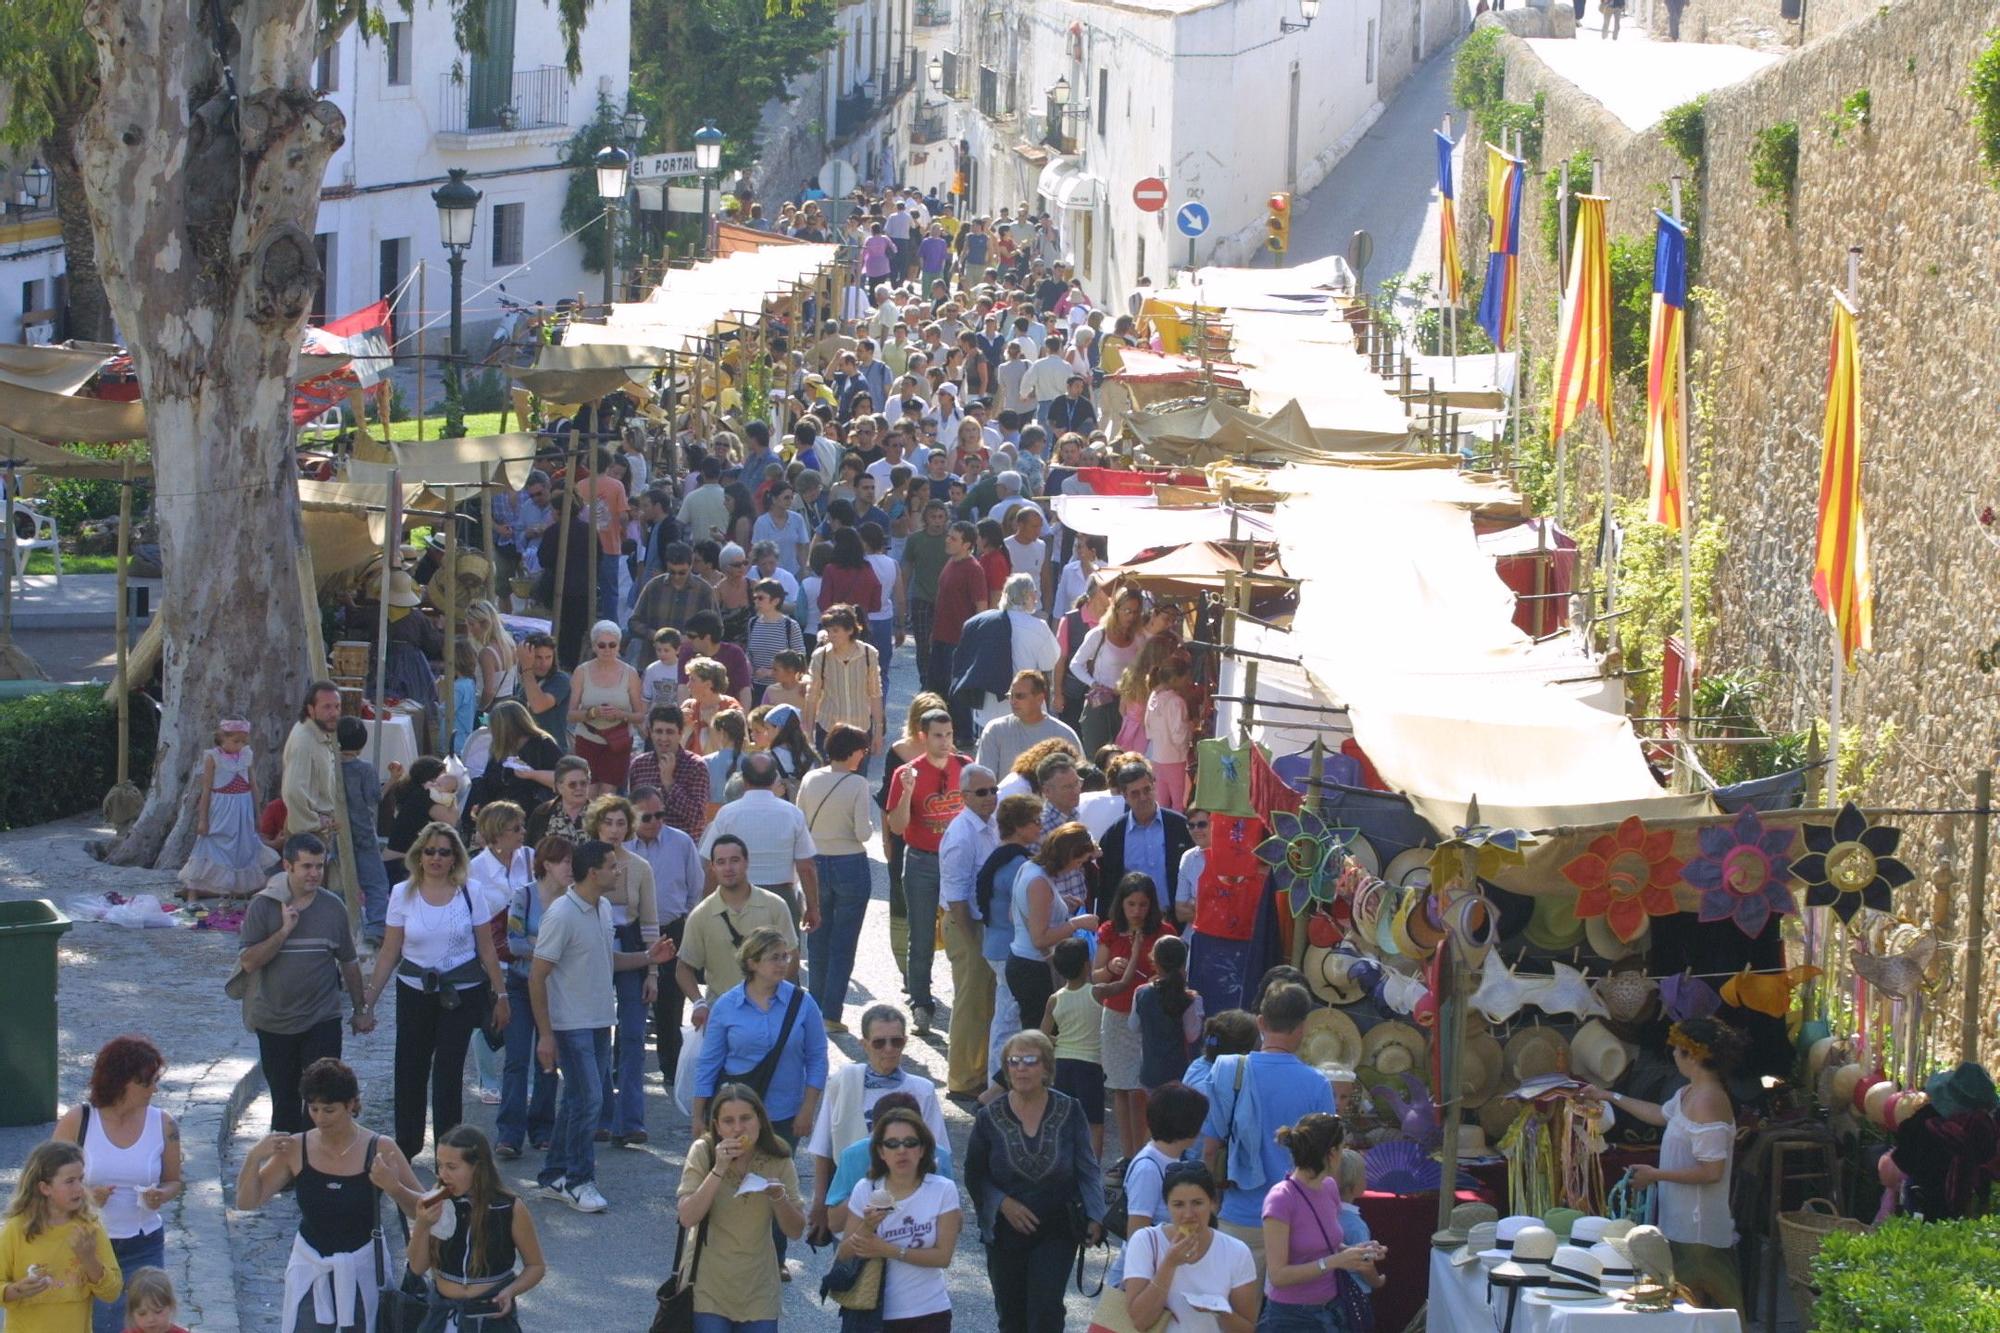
(1215, 97)
(31, 258)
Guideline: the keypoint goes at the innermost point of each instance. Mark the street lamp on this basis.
(1308, 9)
(37, 179)
(1060, 94)
(936, 72)
(458, 209)
(614, 168)
(707, 161)
(634, 126)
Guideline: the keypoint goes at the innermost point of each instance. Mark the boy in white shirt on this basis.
(661, 683)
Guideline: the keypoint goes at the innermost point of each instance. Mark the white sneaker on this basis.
(557, 1190)
(585, 1198)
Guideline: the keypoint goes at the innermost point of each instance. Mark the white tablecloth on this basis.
(399, 743)
(1459, 1304)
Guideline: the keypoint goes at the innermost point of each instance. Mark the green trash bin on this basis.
(29, 931)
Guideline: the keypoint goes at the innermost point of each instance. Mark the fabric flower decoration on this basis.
(1627, 876)
(1742, 873)
(1303, 854)
(1687, 996)
(1495, 848)
(1851, 864)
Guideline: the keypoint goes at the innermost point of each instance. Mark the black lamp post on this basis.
(37, 178)
(614, 169)
(707, 160)
(458, 208)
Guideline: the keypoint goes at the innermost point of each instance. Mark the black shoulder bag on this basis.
(758, 1078)
(674, 1311)
(401, 1306)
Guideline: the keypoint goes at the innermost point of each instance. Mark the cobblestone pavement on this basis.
(603, 1269)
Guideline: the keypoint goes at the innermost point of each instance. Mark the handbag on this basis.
(401, 1306)
(854, 1284)
(673, 1311)
(1112, 1315)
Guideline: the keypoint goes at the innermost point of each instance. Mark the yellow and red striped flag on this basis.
(1583, 366)
(1842, 581)
(1666, 433)
(1452, 272)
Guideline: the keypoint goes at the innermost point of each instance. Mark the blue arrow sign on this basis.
(1192, 219)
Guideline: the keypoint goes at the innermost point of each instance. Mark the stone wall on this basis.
(1911, 192)
(1759, 23)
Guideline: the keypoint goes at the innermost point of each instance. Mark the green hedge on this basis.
(59, 754)
(1912, 1277)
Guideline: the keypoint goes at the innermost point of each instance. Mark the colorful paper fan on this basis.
(1402, 1167)
(1304, 854)
(1626, 876)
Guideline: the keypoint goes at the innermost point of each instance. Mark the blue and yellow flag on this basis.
(1504, 177)
(1451, 273)
(1666, 432)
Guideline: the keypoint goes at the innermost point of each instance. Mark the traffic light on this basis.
(1278, 223)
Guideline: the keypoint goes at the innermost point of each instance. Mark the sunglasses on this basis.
(893, 1145)
(981, 791)
(439, 851)
(888, 1043)
(1023, 1061)
(612, 644)
(650, 817)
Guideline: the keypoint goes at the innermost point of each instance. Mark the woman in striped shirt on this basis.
(771, 632)
(846, 676)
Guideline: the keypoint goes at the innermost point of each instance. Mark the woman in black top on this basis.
(341, 1172)
(469, 1236)
(532, 780)
(407, 806)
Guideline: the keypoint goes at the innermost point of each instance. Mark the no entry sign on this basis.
(1150, 194)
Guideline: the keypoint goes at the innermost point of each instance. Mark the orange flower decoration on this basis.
(1627, 876)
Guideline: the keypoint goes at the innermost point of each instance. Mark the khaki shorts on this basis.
(1251, 1236)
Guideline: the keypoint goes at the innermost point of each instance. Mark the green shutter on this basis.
(492, 78)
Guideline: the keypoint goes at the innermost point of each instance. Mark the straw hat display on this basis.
(403, 590)
(1597, 1055)
(1411, 868)
(1478, 1239)
(1393, 1048)
(1627, 994)
(1472, 1145)
(1459, 1225)
(1875, 1103)
(1535, 1051)
(1554, 925)
(1604, 941)
(1334, 976)
(470, 585)
(1329, 1037)
(1481, 1067)
(1370, 900)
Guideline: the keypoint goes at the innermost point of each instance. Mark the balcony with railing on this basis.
(499, 108)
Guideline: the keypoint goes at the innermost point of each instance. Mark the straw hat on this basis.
(1472, 1145)
(403, 590)
(1481, 1067)
(1528, 1263)
(1875, 1103)
(1473, 924)
(1575, 1274)
(1559, 1220)
(1426, 922)
(1478, 1237)
(1618, 1270)
(1908, 1104)
(1463, 1219)
(1329, 1037)
(1868, 1083)
(1604, 941)
(1331, 974)
(1393, 1048)
(1535, 1051)
(1627, 994)
(1497, 1117)
(1588, 1229)
(1554, 925)
(1651, 1255)
(1506, 1232)
(1369, 902)
(1597, 1055)
(1410, 867)
(1818, 1054)
(1840, 1085)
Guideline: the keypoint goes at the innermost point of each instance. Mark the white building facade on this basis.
(32, 293)
(417, 106)
(1212, 96)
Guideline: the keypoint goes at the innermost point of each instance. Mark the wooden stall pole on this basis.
(590, 565)
(1451, 1033)
(1975, 924)
(486, 521)
(392, 526)
(562, 536)
(422, 310)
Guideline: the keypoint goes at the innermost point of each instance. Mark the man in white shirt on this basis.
(764, 561)
(1005, 738)
(897, 228)
(892, 458)
(1009, 484)
(969, 839)
(883, 319)
(1015, 396)
(1048, 380)
(847, 1112)
(678, 882)
(774, 831)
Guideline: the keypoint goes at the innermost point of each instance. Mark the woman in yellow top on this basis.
(736, 1286)
(55, 1258)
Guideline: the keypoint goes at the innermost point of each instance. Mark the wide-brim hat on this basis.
(1651, 1255)
(1966, 1088)
(1370, 900)
(1617, 1266)
(1908, 1104)
(1497, 1117)
(1604, 941)
(1482, 1066)
(1575, 1274)
(1554, 925)
(1534, 1248)
(1412, 866)
(1363, 851)
(1596, 1054)
(1839, 1085)
(1876, 1101)
(1478, 1238)
(1627, 994)
(1534, 1051)
(1474, 925)
(1472, 1145)
(1588, 1229)
(1464, 1217)
(1329, 1037)
(1393, 1048)
(1507, 1233)
(403, 590)
(1330, 973)
(1414, 934)
(1858, 1099)
(1818, 1054)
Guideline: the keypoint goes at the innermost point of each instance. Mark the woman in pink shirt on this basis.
(876, 253)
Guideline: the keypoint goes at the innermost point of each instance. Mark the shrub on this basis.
(1774, 165)
(1525, 119)
(1984, 90)
(1479, 71)
(72, 502)
(62, 748)
(1908, 1276)
(484, 392)
(1685, 128)
(1852, 114)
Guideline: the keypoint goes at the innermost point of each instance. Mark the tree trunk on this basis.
(204, 206)
(89, 312)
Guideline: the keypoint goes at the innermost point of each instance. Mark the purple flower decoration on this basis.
(1743, 873)
(1851, 864)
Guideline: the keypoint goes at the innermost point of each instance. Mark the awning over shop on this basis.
(1139, 367)
(1215, 432)
(50, 369)
(63, 417)
(20, 452)
(1065, 184)
(1132, 524)
(693, 304)
(1202, 567)
(574, 374)
(460, 464)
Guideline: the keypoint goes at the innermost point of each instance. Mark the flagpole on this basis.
(1562, 285)
(1514, 327)
(1686, 710)
(1451, 307)
(1839, 648)
(1607, 524)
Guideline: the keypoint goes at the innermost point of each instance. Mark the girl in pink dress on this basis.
(228, 859)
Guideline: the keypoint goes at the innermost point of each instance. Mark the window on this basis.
(397, 54)
(393, 263)
(1369, 49)
(326, 77)
(1103, 98)
(989, 91)
(508, 222)
(949, 83)
(326, 246)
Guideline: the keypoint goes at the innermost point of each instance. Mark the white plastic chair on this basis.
(33, 531)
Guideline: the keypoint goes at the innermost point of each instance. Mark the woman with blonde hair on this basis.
(635, 924)
(706, 684)
(498, 672)
(448, 983)
(1042, 917)
(1111, 646)
(516, 736)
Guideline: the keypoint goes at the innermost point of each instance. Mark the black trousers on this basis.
(1029, 1274)
(285, 1056)
(667, 1007)
(431, 1042)
(1032, 983)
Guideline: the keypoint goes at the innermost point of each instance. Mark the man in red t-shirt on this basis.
(923, 800)
(962, 593)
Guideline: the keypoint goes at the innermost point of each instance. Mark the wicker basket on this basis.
(1801, 1232)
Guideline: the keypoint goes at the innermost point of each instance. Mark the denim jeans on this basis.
(716, 1323)
(526, 1117)
(607, 586)
(147, 1250)
(843, 907)
(920, 892)
(882, 633)
(582, 1055)
(624, 1110)
(1281, 1318)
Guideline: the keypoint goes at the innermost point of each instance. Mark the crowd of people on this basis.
(664, 843)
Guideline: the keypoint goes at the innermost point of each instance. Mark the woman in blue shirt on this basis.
(754, 1037)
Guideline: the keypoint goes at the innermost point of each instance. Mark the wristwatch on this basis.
(1322, 1262)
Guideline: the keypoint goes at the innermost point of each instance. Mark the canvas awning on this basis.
(459, 464)
(1131, 524)
(1215, 432)
(587, 372)
(1137, 367)
(1065, 184)
(61, 370)
(1201, 567)
(18, 451)
(56, 416)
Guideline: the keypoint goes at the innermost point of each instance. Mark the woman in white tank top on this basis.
(131, 1159)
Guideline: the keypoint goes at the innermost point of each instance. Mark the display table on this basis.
(399, 742)
(1404, 1223)
(1459, 1303)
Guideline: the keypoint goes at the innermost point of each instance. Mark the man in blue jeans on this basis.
(575, 1008)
